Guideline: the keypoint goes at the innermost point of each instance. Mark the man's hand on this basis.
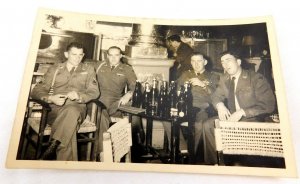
(125, 99)
(223, 112)
(197, 82)
(73, 95)
(57, 99)
(236, 116)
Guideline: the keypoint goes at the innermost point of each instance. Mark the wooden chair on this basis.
(36, 131)
(117, 142)
(248, 138)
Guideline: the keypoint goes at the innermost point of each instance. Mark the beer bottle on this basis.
(137, 95)
(172, 99)
(188, 98)
(154, 98)
(147, 98)
(181, 103)
(162, 109)
(173, 95)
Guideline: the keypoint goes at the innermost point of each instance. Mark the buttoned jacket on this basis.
(200, 94)
(113, 82)
(82, 80)
(253, 93)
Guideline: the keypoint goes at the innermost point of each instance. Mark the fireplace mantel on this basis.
(146, 69)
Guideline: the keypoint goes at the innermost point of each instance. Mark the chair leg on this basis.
(220, 158)
(25, 143)
(95, 146)
(96, 119)
(39, 148)
(89, 147)
(128, 157)
(22, 140)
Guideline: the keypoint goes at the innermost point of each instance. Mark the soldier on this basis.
(67, 87)
(203, 82)
(203, 85)
(241, 95)
(113, 76)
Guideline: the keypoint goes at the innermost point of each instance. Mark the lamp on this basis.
(249, 40)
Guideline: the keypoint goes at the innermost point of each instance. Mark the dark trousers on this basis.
(210, 154)
(200, 117)
(64, 121)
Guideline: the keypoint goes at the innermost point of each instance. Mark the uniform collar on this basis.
(119, 65)
(199, 73)
(69, 66)
(237, 75)
(108, 64)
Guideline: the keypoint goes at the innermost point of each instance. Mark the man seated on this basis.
(203, 84)
(113, 76)
(241, 95)
(67, 87)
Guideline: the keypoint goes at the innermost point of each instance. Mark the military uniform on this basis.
(112, 83)
(65, 119)
(254, 96)
(201, 99)
(201, 96)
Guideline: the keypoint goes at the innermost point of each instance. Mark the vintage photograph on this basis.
(133, 94)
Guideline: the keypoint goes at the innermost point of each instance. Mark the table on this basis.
(175, 127)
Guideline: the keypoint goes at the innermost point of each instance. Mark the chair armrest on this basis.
(98, 103)
(42, 103)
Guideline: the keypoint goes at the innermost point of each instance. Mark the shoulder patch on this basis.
(60, 65)
(85, 66)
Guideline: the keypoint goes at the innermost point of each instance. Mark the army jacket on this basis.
(200, 95)
(253, 93)
(82, 80)
(113, 82)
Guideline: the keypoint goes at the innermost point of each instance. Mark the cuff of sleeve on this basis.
(80, 99)
(130, 93)
(248, 113)
(219, 104)
(244, 113)
(46, 99)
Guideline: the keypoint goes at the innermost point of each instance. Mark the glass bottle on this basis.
(181, 105)
(154, 98)
(147, 98)
(172, 99)
(162, 109)
(188, 98)
(137, 95)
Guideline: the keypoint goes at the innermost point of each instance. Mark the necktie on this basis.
(231, 96)
(72, 70)
(112, 67)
